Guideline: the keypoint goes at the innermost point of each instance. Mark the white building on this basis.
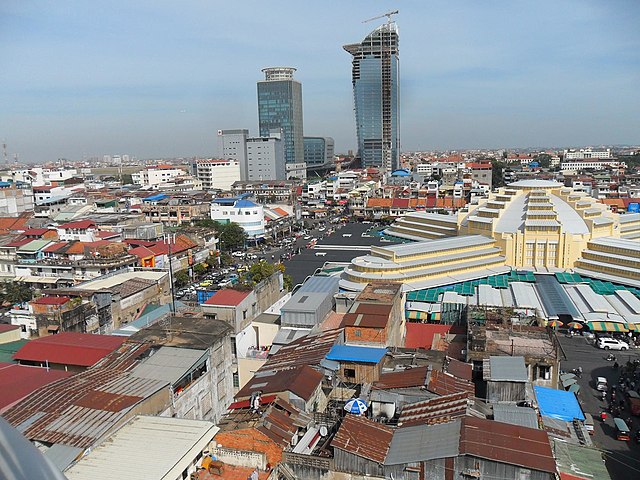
(587, 153)
(217, 174)
(232, 145)
(155, 176)
(265, 158)
(173, 448)
(245, 213)
(296, 170)
(576, 165)
(15, 200)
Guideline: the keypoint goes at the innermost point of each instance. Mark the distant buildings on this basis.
(245, 213)
(218, 174)
(375, 79)
(266, 158)
(318, 151)
(280, 110)
(232, 145)
(154, 177)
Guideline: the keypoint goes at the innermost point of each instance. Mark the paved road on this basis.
(623, 458)
(305, 264)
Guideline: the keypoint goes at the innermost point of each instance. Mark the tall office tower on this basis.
(280, 109)
(232, 145)
(376, 94)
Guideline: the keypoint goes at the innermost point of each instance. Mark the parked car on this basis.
(346, 234)
(611, 344)
(320, 254)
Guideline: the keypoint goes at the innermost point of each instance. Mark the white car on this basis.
(320, 254)
(346, 234)
(611, 344)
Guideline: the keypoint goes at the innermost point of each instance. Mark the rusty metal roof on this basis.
(505, 443)
(302, 381)
(77, 411)
(444, 383)
(308, 350)
(435, 410)
(364, 438)
(411, 377)
(459, 369)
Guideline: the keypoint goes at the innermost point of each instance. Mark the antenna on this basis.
(388, 15)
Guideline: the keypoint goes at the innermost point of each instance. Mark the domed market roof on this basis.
(535, 184)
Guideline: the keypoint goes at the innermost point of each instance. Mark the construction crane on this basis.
(388, 15)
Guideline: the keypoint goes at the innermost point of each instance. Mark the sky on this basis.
(153, 78)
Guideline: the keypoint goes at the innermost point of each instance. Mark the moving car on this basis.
(346, 234)
(601, 384)
(611, 344)
(320, 254)
(622, 430)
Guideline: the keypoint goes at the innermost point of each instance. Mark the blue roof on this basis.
(244, 204)
(401, 173)
(558, 404)
(155, 198)
(349, 353)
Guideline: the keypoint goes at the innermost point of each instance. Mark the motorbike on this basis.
(610, 358)
(577, 372)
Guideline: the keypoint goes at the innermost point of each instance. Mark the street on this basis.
(623, 458)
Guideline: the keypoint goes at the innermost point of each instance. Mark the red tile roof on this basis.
(420, 335)
(506, 443)
(18, 381)
(55, 247)
(12, 223)
(35, 232)
(227, 297)
(400, 203)
(142, 252)
(51, 301)
(20, 242)
(281, 212)
(364, 438)
(69, 348)
(81, 224)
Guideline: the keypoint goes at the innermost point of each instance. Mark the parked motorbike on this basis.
(577, 372)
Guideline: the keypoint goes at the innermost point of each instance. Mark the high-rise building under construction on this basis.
(375, 77)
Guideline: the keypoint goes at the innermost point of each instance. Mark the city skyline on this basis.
(158, 79)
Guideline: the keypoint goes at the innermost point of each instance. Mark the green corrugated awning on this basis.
(416, 315)
(607, 327)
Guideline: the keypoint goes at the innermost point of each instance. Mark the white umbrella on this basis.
(356, 405)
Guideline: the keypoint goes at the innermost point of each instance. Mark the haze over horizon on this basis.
(158, 79)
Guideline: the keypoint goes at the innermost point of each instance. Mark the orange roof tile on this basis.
(379, 202)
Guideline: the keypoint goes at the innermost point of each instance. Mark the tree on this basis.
(206, 223)
(199, 269)
(287, 281)
(259, 271)
(182, 278)
(232, 236)
(497, 178)
(16, 292)
(226, 259)
(544, 159)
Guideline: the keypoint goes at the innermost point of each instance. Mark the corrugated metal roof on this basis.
(507, 369)
(514, 415)
(411, 377)
(308, 350)
(444, 383)
(435, 410)
(320, 283)
(62, 455)
(170, 364)
(364, 438)
(53, 414)
(302, 381)
(146, 447)
(424, 442)
(554, 298)
(579, 462)
(509, 444)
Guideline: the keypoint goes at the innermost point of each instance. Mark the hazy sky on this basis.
(155, 78)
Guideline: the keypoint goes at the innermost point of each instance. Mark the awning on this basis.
(36, 279)
(569, 382)
(607, 327)
(633, 327)
(575, 388)
(416, 315)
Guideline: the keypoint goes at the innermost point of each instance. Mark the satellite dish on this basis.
(323, 430)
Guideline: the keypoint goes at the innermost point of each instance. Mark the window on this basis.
(357, 333)
(543, 372)
(236, 380)
(349, 373)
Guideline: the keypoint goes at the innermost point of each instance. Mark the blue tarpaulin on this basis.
(558, 404)
(348, 353)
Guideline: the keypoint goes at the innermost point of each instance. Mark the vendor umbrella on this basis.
(555, 323)
(355, 405)
(576, 325)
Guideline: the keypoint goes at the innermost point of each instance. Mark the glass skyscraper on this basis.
(375, 76)
(280, 110)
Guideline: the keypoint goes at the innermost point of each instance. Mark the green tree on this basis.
(206, 223)
(199, 269)
(544, 159)
(287, 281)
(127, 179)
(232, 236)
(497, 178)
(226, 259)
(16, 292)
(259, 271)
(182, 278)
